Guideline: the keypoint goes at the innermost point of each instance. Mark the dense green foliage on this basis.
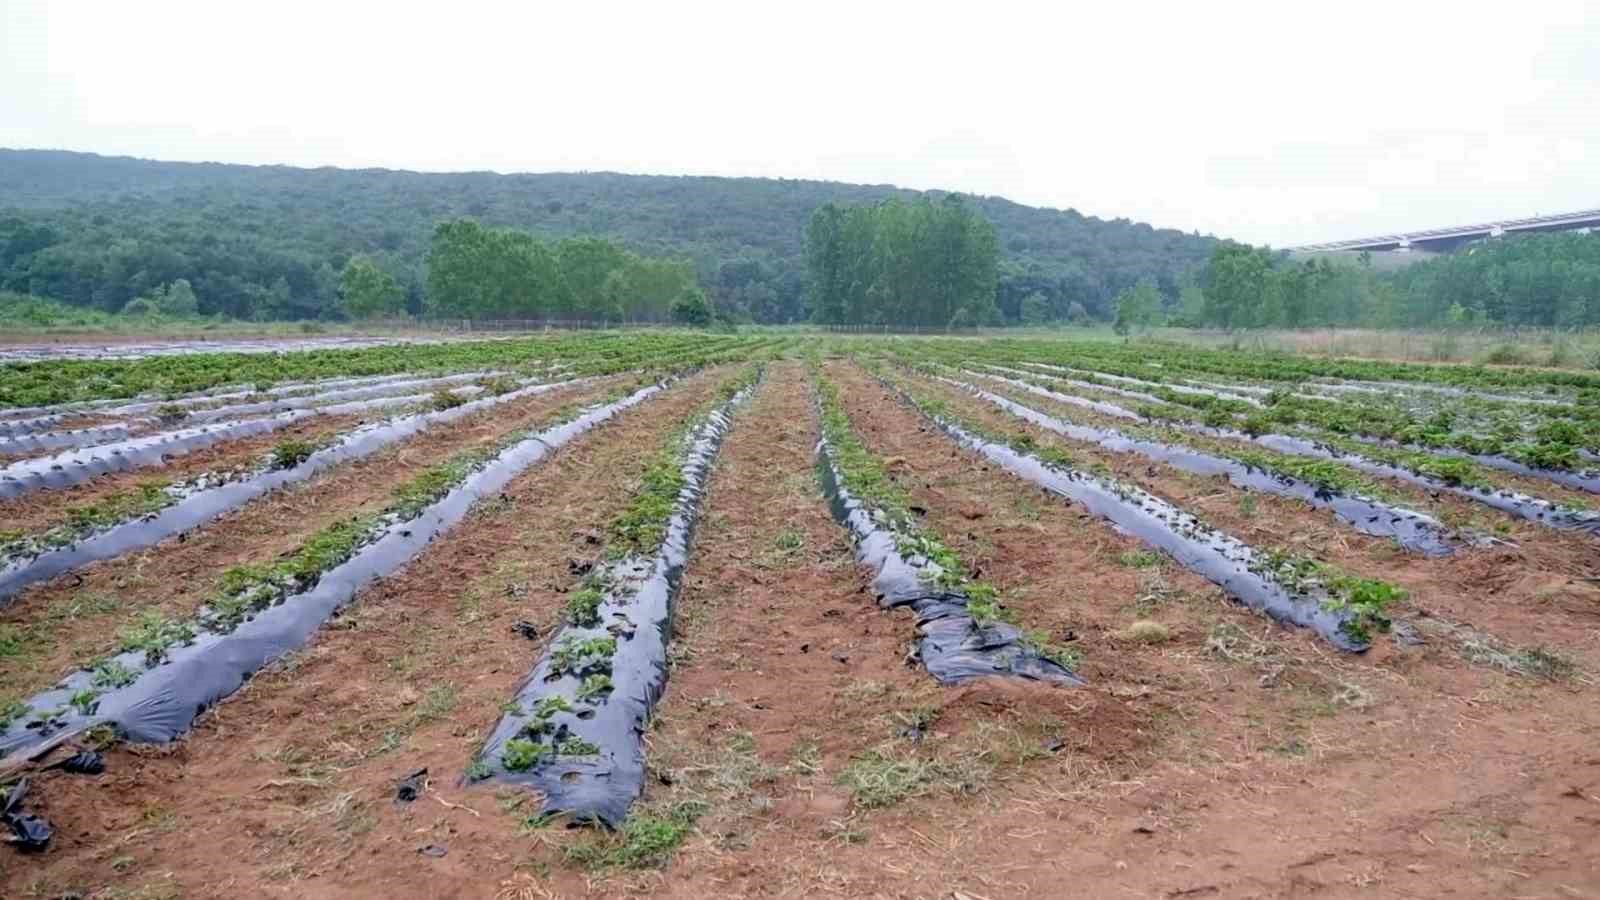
(24, 311)
(1545, 280)
(488, 273)
(1542, 279)
(270, 242)
(919, 263)
(368, 291)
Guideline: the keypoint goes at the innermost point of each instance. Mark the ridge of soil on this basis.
(1233, 757)
(77, 616)
(1525, 592)
(38, 510)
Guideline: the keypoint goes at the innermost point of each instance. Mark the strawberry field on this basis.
(791, 615)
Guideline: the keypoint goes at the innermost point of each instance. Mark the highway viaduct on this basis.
(1443, 240)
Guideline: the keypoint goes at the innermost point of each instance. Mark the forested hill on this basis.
(269, 240)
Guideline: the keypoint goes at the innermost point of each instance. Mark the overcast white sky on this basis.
(1267, 122)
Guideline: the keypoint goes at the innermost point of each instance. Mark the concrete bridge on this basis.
(1440, 240)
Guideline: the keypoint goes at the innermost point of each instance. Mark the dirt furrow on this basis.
(1536, 591)
(1233, 705)
(42, 509)
(299, 768)
(75, 617)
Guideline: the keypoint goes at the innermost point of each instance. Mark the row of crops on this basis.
(290, 490)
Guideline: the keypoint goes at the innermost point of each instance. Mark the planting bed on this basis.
(688, 616)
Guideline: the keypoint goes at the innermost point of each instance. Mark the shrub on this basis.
(290, 453)
(1505, 355)
(443, 399)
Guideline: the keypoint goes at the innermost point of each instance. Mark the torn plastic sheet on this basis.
(953, 646)
(1220, 558)
(1411, 529)
(164, 699)
(553, 706)
(77, 466)
(84, 762)
(1514, 503)
(28, 832)
(206, 504)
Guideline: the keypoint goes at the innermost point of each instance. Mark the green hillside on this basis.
(268, 241)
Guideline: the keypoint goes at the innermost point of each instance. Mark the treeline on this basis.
(1544, 280)
(488, 273)
(273, 242)
(921, 263)
(1253, 287)
(1548, 280)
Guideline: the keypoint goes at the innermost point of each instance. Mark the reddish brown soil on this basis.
(1235, 759)
(78, 616)
(1526, 593)
(1256, 758)
(299, 767)
(43, 509)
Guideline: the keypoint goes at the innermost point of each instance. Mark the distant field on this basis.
(787, 613)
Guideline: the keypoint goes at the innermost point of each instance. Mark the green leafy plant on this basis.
(577, 656)
(583, 607)
(594, 686)
(290, 453)
(576, 747)
(645, 840)
(520, 754)
(444, 399)
(112, 674)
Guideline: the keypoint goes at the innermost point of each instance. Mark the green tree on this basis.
(1136, 307)
(692, 308)
(140, 306)
(178, 299)
(368, 291)
(1235, 285)
(903, 263)
(825, 264)
(1191, 304)
(457, 264)
(642, 289)
(1035, 309)
(586, 263)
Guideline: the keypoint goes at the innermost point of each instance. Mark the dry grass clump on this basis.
(1146, 631)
